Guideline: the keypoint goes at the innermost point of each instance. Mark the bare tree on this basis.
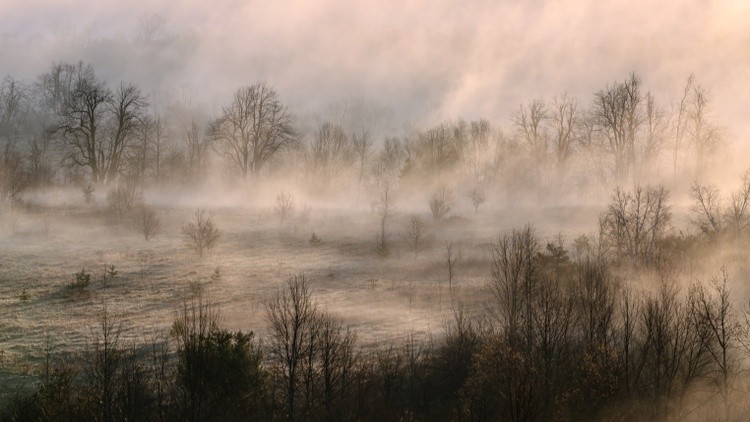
(99, 125)
(671, 358)
(13, 177)
(433, 152)
(707, 209)
(55, 86)
(337, 358)
(702, 128)
(253, 128)
(530, 121)
(636, 222)
(441, 202)
(13, 102)
(481, 152)
(656, 127)
(331, 153)
(714, 217)
(201, 233)
(618, 116)
(291, 316)
(513, 283)
(416, 234)
(717, 315)
(452, 257)
(159, 140)
(680, 122)
(564, 121)
(739, 206)
(139, 156)
(384, 209)
(104, 361)
(362, 145)
(197, 150)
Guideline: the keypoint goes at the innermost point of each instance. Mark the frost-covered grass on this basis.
(41, 249)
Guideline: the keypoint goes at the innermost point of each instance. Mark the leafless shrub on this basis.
(147, 221)
(123, 199)
(636, 222)
(441, 202)
(739, 206)
(88, 192)
(477, 197)
(201, 233)
(417, 234)
(284, 206)
(706, 211)
(714, 217)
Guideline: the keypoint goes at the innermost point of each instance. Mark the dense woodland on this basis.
(610, 326)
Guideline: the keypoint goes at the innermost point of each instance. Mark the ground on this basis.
(41, 248)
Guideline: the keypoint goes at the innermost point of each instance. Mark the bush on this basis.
(477, 197)
(88, 192)
(201, 234)
(147, 222)
(284, 206)
(441, 203)
(123, 199)
(83, 279)
(219, 373)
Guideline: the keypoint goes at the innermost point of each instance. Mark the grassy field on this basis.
(399, 296)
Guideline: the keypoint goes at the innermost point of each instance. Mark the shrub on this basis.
(88, 192)
(82, 280)
(284, 206)
(123, 199)
(477, 197)
(147, 222)
(201, 234)
(441, 203)
(219, 373)
(315, 239)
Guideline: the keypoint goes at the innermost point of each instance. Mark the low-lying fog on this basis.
(428, 211)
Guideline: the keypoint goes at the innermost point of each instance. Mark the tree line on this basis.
(69, 127)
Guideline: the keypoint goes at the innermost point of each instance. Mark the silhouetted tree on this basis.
(253, 128)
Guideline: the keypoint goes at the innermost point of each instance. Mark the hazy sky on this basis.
(426, 60)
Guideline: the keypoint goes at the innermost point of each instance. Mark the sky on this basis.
(426, 61)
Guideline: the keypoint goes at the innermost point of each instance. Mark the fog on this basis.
(427, 61)
(322, 210)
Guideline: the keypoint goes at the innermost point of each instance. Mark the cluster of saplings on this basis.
(608, 328)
